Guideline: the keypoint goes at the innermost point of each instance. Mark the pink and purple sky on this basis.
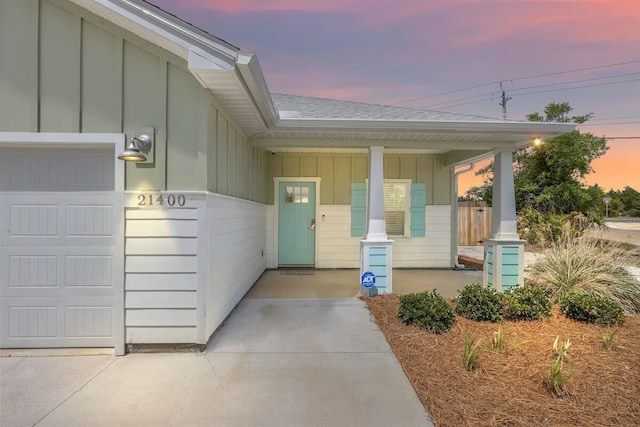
(392, 52)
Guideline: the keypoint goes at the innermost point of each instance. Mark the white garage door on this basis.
(59, 263)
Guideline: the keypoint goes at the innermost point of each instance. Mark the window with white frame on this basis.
(397, 206)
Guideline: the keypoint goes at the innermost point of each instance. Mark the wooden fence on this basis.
(474, 223)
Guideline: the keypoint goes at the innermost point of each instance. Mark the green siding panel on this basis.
(391, 167)
(358, 209)
(360, 168)
(291, 166)
(232, 151)
(212, 146)
(343, 178)
(182, 130)
(221, 156)
(309, 166)
(418, 209)
(326, 174)
(145, 85)
(19, 65)
(101, 79)
(408, 168)
(59, 69)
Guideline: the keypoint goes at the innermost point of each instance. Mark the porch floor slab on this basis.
(345, 283)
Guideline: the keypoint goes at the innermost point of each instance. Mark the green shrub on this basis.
(591, 308)
(427, 310)
(526, 303)
(585, 265)
(476, 302)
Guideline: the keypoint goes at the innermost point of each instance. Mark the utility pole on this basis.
(503, 103)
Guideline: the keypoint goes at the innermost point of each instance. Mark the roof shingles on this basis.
(304, 107)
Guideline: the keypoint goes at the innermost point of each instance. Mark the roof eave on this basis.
(541, 129)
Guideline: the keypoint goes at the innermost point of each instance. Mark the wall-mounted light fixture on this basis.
(137, 149)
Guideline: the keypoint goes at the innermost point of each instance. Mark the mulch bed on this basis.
(509, 388)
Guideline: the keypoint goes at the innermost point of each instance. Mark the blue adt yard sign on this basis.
(368, 279)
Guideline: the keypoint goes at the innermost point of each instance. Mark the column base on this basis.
(503, 264)
(376, 256)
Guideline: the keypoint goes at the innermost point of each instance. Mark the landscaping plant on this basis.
(476, 302)
(558, 379)
(470, 353)
(591, 308)
(582, 264)
(526, 303)
(427, 310)
(498, 342)
(609, 338)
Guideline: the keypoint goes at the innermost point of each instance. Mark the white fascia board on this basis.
(172, 29)
(251, 73)
(543, 129)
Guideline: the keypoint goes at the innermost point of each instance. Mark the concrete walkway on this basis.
(276, 362)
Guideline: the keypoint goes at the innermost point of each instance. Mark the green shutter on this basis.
(358, 209)
(418, 203)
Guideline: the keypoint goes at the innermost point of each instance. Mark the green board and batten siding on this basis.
(62, 69)
(338, 171)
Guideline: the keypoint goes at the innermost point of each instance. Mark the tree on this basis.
(549, 177)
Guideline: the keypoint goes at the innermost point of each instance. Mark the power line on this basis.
(518, 78)
(522, 94)
(610, 124)
(576, 81)
(614, 118)
(492, 94)
(622, 137)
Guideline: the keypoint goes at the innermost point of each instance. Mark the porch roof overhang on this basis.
(460, 141)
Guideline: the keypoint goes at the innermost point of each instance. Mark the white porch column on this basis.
(504, 251)
(376, 248)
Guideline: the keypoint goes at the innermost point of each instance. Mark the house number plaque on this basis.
(171, 200)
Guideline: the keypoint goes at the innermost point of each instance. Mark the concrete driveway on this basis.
(276, 362)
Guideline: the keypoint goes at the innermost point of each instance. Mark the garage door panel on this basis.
(58, 269)
(67, 271)
(60, 219)
(57, 322)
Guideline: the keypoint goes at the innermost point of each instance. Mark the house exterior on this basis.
(96, 251)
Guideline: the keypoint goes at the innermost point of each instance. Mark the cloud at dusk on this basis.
(392, 52)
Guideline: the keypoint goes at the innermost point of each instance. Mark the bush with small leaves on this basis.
(591, 308)
(476, 302)
(427, 310)
(526, 303)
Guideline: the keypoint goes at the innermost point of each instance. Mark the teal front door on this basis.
(296, 224)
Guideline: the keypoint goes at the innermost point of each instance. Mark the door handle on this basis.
(312, 226)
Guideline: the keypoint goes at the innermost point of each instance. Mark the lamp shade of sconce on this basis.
(137, 149)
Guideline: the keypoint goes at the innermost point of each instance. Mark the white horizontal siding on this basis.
(160, 299)
(337, 249)
(161, 271)
(431, 251)
(161, 317)
(156, 335)
(270, 241)
(161, 282)
(162, 246)
(164, 264)
(237, 253)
